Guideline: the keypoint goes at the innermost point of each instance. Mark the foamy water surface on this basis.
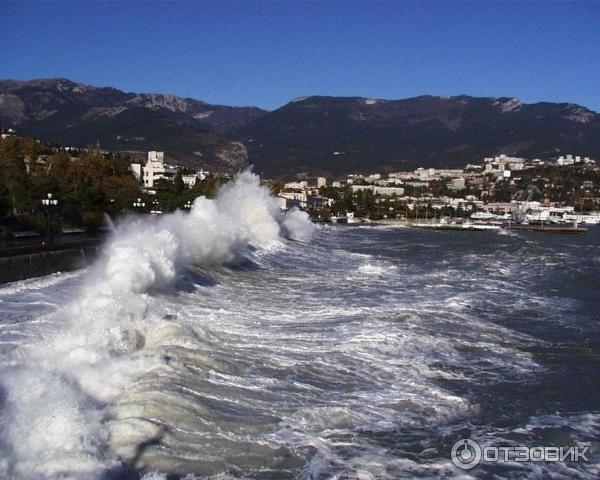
(211, 344)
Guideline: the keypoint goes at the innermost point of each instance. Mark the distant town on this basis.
(566, 188)
(48, 188)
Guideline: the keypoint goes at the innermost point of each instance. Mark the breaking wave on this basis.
(69, 403)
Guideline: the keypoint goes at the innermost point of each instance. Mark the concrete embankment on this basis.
(21, 267)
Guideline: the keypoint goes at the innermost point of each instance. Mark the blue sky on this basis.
(266, 53)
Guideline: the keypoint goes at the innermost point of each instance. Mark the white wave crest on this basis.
(59, 391)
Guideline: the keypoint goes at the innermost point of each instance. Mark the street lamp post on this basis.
(49, 203)
(138, 205)
(188, 205)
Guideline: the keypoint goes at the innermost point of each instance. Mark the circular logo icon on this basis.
(466, 454)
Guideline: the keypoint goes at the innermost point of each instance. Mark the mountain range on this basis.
(316, 134)
(74, 114)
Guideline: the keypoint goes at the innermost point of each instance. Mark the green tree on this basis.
(178, 184)
(13, 152)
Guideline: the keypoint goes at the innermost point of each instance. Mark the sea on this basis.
(234, 342)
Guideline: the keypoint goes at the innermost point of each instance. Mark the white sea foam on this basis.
(376, 269)
(58, 393)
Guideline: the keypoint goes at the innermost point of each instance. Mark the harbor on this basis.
(520, 227)
(524, 217)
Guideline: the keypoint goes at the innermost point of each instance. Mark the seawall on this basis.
(21, 267)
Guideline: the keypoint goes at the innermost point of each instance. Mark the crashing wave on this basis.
(70, 395)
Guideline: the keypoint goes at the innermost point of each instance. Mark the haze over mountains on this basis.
(325, 135)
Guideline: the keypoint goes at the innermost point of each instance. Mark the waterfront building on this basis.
(293, 199)
(154, 169)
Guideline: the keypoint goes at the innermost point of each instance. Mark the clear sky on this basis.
(267, 53)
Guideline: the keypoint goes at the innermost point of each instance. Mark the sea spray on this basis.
(59, 398)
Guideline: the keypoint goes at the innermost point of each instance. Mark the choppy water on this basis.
(364, 353)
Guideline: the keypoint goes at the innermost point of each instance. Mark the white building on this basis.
(572, 160)
(457, 183)
(568, 160)
(296, 185)
(417, 184)
(376, 190)
(428, 174)
(502, 163)
(353, 177)
(154, 169)
(424, 173)
(292, 199)
(192, 179)
(449, 172)
(386, 182)
(189, 180)
(403, 175)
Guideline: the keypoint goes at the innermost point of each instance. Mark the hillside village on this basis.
(498, 186)
(564, 187)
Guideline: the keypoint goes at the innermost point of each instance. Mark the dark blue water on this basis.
(544, 290)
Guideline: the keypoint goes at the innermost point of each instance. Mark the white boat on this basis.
(485, 215)
(592, 218)
(445, 225)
